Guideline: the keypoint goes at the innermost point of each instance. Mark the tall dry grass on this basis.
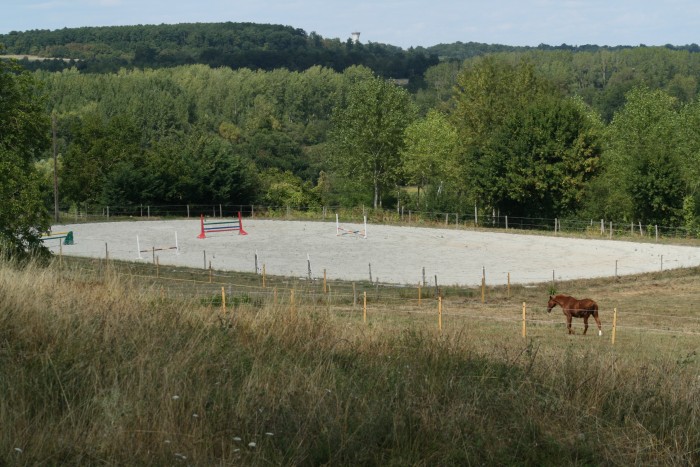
(96, 371)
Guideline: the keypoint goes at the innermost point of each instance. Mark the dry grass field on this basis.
(121, 363)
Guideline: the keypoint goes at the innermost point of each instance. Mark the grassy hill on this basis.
(122, 364)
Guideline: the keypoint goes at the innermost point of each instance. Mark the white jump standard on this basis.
(340, 230)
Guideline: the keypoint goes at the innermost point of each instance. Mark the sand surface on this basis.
(391, 254)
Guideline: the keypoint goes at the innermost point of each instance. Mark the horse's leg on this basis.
(597, 321)
(568, 323)
(585, 324)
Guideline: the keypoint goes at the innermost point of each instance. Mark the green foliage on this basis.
(190, 133)
(273, 149)
(691, 219)
(97, 146)
(688, 146)
(488, 92)
(284, 189)
(539, 161)
(126, 185)
(439, 83)
(429, 156)
(24, 130)
(645, 158)
(601, 76)
(514, 139)
(198, 168)
(529, 150)
(368, 134)
(235, 45)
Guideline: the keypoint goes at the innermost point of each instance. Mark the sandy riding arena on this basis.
(391, 254)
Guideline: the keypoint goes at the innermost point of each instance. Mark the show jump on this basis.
(232, 225)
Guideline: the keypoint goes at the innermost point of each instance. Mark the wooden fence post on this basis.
(364, 308)
(483, 285)
(291, 303)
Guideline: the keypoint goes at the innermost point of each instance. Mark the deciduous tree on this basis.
(529, 150)
(24, 133)
(430, 152)
(368, 134)
(645, 154)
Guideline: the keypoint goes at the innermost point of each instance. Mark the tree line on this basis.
(507, 137)
(512, 133)
(234, 45)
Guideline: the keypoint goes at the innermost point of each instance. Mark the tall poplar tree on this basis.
(430, 153)
(368, 132)
(645, 153)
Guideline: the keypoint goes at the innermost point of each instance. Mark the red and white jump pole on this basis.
(221, 226)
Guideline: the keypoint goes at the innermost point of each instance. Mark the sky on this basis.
(403, 23)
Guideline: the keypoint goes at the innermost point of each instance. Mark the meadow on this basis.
(109, 363)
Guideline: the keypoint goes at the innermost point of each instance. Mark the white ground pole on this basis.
(138, 246)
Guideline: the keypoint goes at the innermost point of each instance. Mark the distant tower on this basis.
(355, 37)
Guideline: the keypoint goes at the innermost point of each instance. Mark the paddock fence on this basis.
(521, 310)
(476, 219)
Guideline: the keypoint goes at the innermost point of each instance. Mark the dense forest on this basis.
(234, 45)
(461, 50)
(589, 132)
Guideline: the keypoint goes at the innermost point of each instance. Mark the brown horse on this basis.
(576, 308)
